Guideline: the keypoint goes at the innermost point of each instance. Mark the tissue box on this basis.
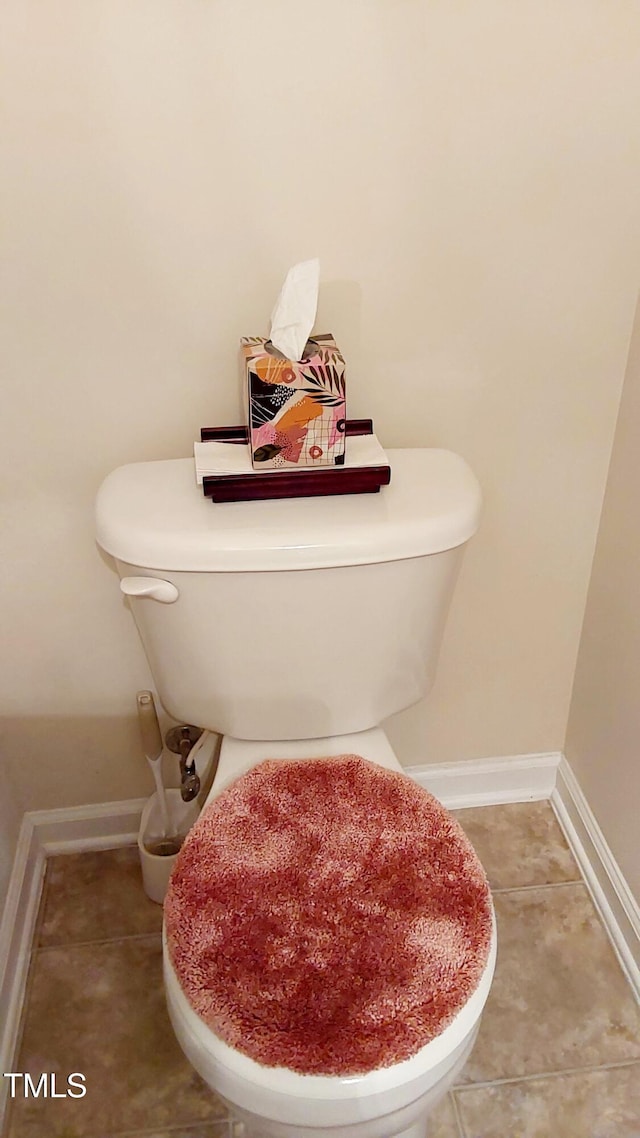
(296, 409)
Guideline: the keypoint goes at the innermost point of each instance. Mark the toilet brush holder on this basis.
(158, 851)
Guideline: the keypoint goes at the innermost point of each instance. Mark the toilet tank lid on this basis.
(153, 515)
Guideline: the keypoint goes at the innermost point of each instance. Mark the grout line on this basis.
(621, 1065)
(544, 885)
(103, 940)
(457, 1116)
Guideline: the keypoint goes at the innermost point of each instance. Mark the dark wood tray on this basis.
(322, 482)
(241, 434)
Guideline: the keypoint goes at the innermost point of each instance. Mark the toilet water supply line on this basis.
(153, 748)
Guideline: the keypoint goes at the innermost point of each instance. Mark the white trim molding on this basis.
(103, 826)
(489, 782)
(618, 909)
(16, 935)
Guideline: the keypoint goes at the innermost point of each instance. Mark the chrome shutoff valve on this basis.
(190, 786)
(181, 740)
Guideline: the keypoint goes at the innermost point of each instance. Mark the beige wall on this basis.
(468, 175)
(603, 736)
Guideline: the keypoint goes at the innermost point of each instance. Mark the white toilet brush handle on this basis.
(152, 747)
(149, 726)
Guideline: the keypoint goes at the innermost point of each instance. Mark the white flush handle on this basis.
(163, 591)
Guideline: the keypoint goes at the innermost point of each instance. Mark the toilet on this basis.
(294, 628)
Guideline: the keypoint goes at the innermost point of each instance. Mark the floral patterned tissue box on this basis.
(296, 408)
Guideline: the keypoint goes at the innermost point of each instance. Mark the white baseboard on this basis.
(102, 826)
(489, 782)
(16, 934)
(618, 909)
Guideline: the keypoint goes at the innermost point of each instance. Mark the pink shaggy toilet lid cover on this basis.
(327, 915)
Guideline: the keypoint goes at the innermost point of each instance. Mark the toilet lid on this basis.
(327, 915)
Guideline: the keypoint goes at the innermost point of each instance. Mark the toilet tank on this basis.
(295, 618)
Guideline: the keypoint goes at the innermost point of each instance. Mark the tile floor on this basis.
(558, 1055)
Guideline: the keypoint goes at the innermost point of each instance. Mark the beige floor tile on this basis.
(99, 1009)
(591, 1104)
(96, 896)
(559, 998)
(519, 843)
(559, 1002)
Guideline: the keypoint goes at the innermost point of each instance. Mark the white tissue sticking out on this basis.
(295, 312)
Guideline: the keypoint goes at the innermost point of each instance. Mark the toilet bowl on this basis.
(394, 1102)
(294, 628)
(278, 1102)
